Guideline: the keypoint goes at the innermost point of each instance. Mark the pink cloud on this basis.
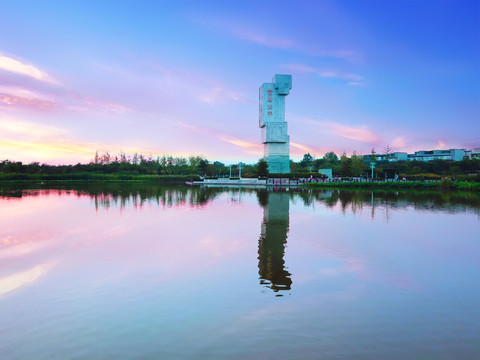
(7, 100)
(242, 143)
(93, 105)
(258, 37)
(440, 145)
(348, 55)
(46, 93)
(219, 94)
(301, 147)
(352, 79)
(14, 96)
(361, 134)
(47, 100)
(296, 149)
(202, 87)
(23, 68)
(399, 142)
(247, 146)
(264, 39)
(13, 128)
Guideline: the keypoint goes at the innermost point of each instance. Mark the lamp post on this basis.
(240, 170)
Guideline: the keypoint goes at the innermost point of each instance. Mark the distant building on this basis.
(473, 154)
(396, 156)
(427, 155)
(430, 155)
(399, 156)
(326, 172)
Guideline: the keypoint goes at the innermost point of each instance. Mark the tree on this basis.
(202, 166)
(318, 164)
(294, 168)
(454, 170)
(416, 170)
(387, 151)
(331, 158)
(194, 161)
(331, 161)
(307, 161)
(123, 157)
(220, 168)
(373, 157)
(262, 168)
(135, 159)
(357, 164)
(346, 167)
(210, 170)
(105, 159)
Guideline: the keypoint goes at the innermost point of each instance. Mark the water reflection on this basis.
(373, 201)
(273, 274)
(273, 239)
(12, 282)
(174, 272)
(125, 195)
(121, 195)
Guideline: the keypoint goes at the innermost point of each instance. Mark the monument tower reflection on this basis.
(273, 239)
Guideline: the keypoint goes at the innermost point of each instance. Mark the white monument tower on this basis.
(272, 122)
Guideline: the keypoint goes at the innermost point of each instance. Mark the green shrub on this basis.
(421, 177)
(469, 186)
(446, 184)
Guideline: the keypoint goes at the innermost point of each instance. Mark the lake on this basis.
(125, 271)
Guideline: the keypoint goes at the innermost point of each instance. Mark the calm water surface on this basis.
(147, 272)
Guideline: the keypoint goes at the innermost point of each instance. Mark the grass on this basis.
(82, 177)
(176, 179)
(416, 185)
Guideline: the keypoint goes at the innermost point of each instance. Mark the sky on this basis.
(182, 78)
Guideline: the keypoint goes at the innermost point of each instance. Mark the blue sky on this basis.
(182, 78)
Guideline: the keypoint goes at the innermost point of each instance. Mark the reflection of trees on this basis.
(262, 196)
(140, 195)
(123, 195)
(166, 196)
(273, 238)
(421, 201)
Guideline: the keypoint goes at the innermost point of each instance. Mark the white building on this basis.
(430, 155)
(473, 154)
(396, 156)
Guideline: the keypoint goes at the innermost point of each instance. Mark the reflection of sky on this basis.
(12, 282)
(181, 281)
(386, 251)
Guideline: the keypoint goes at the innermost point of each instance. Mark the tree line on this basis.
(344, 166)
(359, 166)
(136, 164)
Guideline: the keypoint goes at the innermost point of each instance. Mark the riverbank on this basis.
(89, 177)
(400, 185)
(52, 179)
